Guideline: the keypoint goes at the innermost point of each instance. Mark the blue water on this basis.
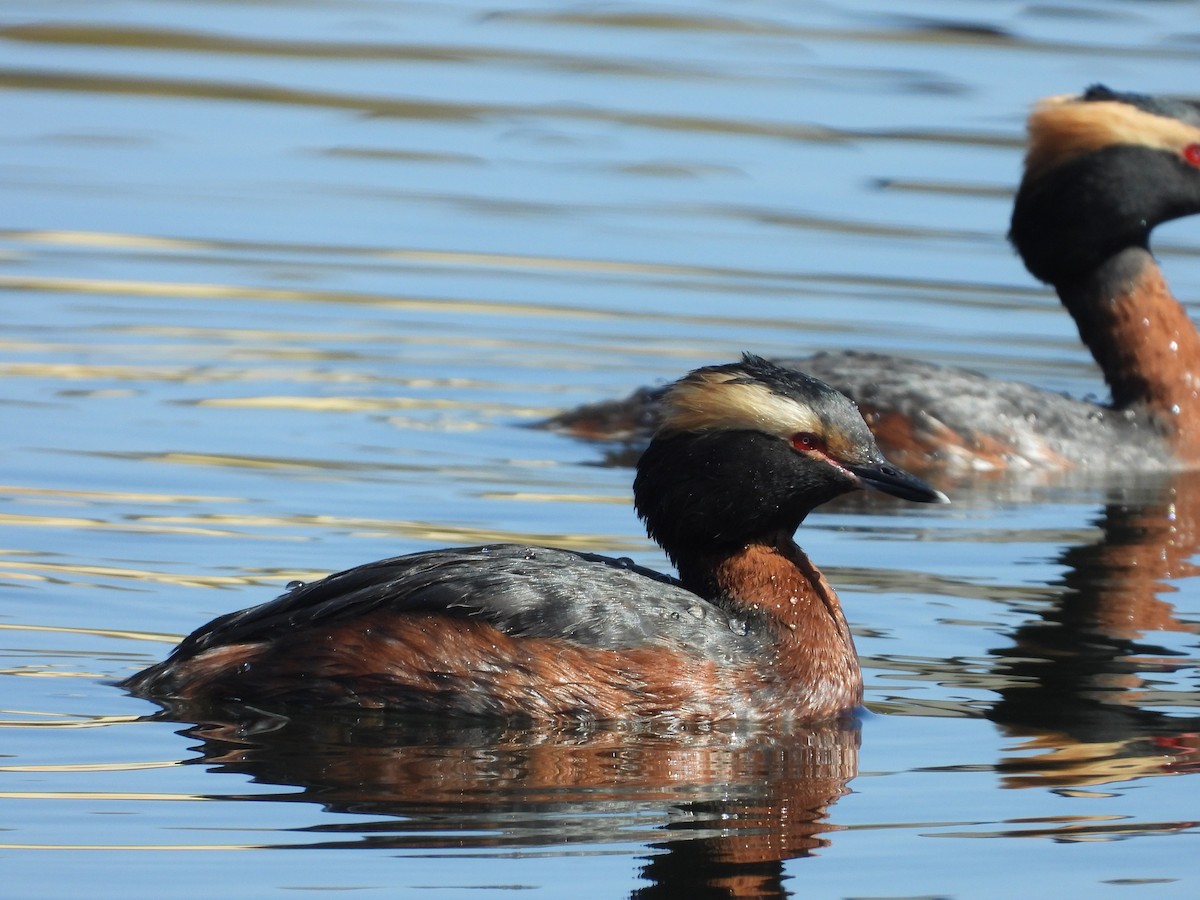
(285, 283)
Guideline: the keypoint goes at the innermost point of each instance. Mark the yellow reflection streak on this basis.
(209, 42)
(127, 847)
(95, 632)
(39, 672)
(63, 493)
(110, 239)
(551, 497)
(101, 525)
(12, 570)
(454, 258)
(425, 530)
(96, 795)
(241, 462)
(91, 767)
(422, 529)
(1077, 834)
(336, 404)
(78, 372)
(61, 720)
(193, 290)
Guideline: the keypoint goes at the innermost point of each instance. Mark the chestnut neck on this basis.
(1143, 341)
(774, 581)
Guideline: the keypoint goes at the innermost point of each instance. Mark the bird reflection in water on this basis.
(722, 808)
(1080, 680)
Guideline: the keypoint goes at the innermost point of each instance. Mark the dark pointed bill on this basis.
(883, 476)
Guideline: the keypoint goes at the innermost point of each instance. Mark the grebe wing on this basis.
(595, 601)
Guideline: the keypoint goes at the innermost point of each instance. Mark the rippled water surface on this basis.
(285, 283)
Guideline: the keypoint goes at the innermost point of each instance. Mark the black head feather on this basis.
(729, 467)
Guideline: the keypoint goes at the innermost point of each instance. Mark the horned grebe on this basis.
(750, 629)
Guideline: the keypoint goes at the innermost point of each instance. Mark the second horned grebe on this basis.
(750, 629)
(1101, 171)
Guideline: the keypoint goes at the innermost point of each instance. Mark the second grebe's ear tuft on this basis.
(1065, 128)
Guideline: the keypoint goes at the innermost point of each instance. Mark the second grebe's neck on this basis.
(1143, 341)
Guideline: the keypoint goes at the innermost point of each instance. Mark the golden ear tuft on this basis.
(726, 401)
(1064, 128)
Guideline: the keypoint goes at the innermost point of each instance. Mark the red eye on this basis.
(1191, 153)
(806, 440)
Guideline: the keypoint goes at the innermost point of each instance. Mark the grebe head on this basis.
(746, 450)
(1101, 170)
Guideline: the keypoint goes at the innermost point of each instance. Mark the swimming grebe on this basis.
(751, 629)
(1101, 171)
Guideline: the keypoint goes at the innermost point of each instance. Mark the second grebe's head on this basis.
(1102, 169)
(746, 450)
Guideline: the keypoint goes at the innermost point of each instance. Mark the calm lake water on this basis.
(286, 283)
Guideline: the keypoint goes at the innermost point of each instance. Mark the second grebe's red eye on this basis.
(1191, 153)
(806, 440)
